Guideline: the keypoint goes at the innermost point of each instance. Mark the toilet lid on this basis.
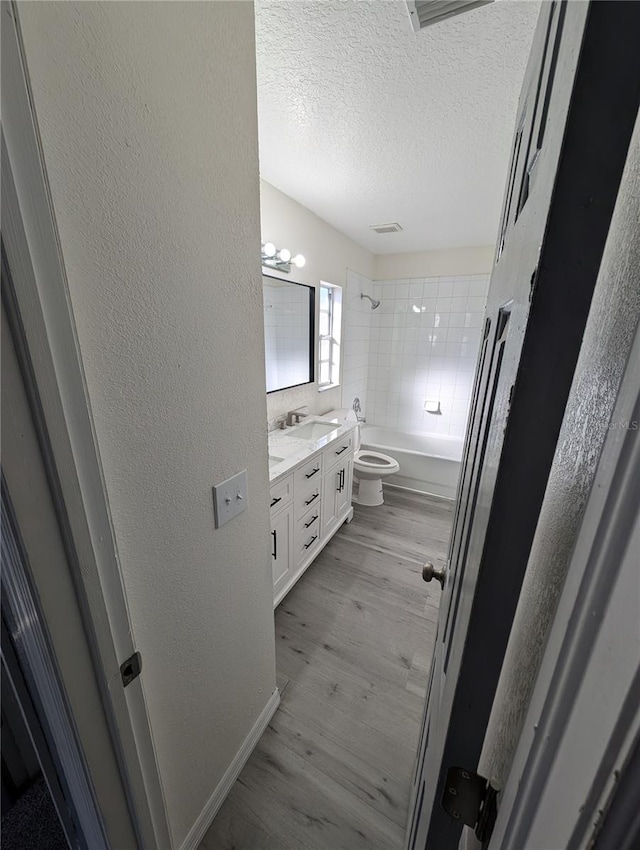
(373, 459)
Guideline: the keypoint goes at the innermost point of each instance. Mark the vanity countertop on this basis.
(293, 450)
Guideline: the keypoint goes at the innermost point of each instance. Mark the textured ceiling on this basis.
(364, 121)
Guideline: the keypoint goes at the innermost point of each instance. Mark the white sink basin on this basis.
(312, 430)
(274, 461)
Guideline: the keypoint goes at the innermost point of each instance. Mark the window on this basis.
(329, 347)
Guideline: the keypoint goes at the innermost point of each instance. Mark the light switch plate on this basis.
(230, 498)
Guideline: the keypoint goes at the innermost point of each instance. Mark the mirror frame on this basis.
(312, 332)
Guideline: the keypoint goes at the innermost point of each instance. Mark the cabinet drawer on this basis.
(308, 496)
(337, 451)
(281, 494)
(309, 524)
(309, 542)
(308, 473)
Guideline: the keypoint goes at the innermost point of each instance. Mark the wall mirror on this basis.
(289, 311)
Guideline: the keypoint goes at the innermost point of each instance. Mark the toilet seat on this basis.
(374, 461)
(369, 467)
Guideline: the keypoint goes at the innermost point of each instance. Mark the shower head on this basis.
(374, 304)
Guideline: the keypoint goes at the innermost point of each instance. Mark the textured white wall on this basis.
(444, 262)
(608, 337)
(147, 113)
(329, 254)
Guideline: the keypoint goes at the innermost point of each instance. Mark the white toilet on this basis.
(369, 468)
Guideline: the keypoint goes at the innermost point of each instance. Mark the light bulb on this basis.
(269, 249)
(284, 255)
(298, 261)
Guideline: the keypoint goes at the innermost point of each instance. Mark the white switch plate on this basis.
(230, 498)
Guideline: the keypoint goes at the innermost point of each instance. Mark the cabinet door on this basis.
(281, 548)
(336, 496)
(330, 491)
(343, 494)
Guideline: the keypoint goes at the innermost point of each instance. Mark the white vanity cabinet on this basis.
(308, 506)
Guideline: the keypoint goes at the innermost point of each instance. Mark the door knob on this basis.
(430, 572)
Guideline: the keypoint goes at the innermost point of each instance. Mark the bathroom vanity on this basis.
(311, 474)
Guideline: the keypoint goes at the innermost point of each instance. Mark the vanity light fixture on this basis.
(280, 259)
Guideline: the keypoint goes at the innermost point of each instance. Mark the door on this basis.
(281, 546)
(583, 72)
(559, 792)
(36, 299)
(47, 666)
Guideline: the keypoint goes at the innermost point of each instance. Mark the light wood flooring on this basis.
(353, 641)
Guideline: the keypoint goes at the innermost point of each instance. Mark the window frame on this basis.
(333, 337)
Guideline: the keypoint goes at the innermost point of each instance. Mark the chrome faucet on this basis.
(357, 409)
(294, 416)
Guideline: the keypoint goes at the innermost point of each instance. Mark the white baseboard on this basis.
(212, 806)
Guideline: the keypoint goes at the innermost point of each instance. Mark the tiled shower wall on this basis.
(422, 345)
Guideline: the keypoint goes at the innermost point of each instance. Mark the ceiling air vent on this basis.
(394, 227)
(423, 13)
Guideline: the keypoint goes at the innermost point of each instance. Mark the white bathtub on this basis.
(429, 463)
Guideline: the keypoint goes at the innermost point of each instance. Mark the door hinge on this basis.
(131, 668)
(472, 799)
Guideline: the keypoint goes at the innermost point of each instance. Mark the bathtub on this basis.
(429, 463)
